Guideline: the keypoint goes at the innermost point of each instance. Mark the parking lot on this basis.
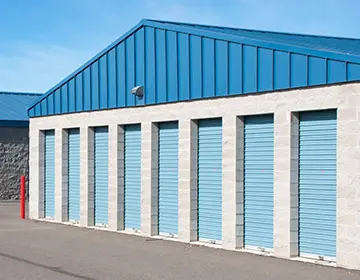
(37, 250)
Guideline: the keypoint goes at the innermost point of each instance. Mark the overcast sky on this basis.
(43, 41)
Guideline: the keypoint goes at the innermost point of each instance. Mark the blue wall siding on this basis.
(175, 66)
(112, 83)
(172, 66)
(121, 77)
(129, 70)
(72, 99)
(103, 82)
(94, 84)
(208, 58)
(79, 93)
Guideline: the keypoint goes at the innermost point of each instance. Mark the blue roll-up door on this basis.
(317, 183)
(74, 174)
(101, 159)
(132, 176)
(258, 181)
(49, 172)
(168, 177)
(210, 179)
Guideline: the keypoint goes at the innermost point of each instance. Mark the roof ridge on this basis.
(255, 30)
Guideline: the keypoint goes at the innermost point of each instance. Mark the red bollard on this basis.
(22, 198)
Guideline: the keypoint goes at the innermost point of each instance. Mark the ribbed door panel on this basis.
(317, 183)
(168, 177)
(49, 184)
(258, 181)
(210, 179)
(101, 166)
(132, 173)
(74, 174)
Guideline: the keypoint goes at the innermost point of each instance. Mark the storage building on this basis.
(244, 139)
(14, 141)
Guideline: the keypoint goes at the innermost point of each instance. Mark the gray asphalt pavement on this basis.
(36, 250)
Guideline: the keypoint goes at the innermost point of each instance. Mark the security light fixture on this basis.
(138, 91)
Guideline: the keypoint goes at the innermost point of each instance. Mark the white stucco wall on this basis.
(284, 105)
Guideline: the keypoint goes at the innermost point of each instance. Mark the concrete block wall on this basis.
(283, 105)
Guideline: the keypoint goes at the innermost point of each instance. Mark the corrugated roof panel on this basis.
(181, 61)
(14, 106)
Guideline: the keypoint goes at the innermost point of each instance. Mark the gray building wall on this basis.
(14, 160)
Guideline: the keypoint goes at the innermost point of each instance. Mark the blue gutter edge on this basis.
(14, 123)
(204, 33)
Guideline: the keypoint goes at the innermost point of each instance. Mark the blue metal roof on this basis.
(14, 106)
(321, 43)
(182, 61)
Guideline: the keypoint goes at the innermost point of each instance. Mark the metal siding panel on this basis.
(258, 181)
(57, 99)
(317, 183)
(353, 72)
(208, 60)
(130, 70)
(317, 71)
(298, 70)
(183, 61)
(87, 89)
(210, 179)
(74, 174)
(111, 70)
(172, 67)
(121, 78)
(281, 70)
(150, 90)
(160, 65)
(79, 93)
(103, 82)
(221, 68)
(195, 67)
(94, 82)
(249, 69)
(139, 62)
(50, 102)
(49, 172)
(132, 175)
(32, 112)
(265, 69)
(64, 99)
(235, 68)
(72, 101)
(44, 107)
(336, 71)
(101, 165)
(168, 177)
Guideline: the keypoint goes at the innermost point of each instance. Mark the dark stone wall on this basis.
(14, 161)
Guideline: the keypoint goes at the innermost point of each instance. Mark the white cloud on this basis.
(37, 68)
